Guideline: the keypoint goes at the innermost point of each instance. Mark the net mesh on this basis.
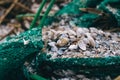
(14, 52)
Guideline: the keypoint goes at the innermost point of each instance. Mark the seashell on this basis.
(60, 52)
(62, 22)
(54, 55)
(75, 28)
(71, 33)
(44, 37)
(73, 47)
(54, 49)
(91, 40)
(80, 32)
(100, 32)
(72, 38)
(86, 30)
(64, 35)
(51, 44)
(118, 52)
(107, 34)
(44, 30)
(50, 34)
(71, 23)
(82, 45)
(87, 53)
(86, 40)
(93, 30)
(62, 41)
(94, 35)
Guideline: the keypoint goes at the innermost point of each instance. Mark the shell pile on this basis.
(70, 41)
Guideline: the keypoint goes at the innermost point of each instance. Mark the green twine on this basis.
(46, 13)
(37, 14)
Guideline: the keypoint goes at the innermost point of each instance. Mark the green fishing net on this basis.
(99, 67)
(15, 51)
(88, 19)
(24, 47)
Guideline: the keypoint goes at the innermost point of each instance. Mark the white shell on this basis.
(80, 32)
(82, 45)
(50, 34)
(100, 32)
(87, 53)
(51, 44)
(93, 30)
(94, 35)
(73, 47)
(86, 40)
(54, 49)
(71, 32)
(91, 40)
(107, 34)
(86, 30)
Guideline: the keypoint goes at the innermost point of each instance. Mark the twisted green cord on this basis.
(45, 15)
(37, 14)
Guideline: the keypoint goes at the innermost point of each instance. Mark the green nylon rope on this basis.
(46, 13)
(38, 13)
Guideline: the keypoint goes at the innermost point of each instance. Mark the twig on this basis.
(113, 30)
(30, 15)
(8, 10)
(2, 2)
(24, 7)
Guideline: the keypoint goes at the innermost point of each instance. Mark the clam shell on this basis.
(86, 30)
(73, 47)
(87, 53)
(82, 45)
(51, 44)
(100, 32)
(71, 33)
(91, 40)
(86, 40)
(50, 34)
(93, 30)
(54, 49)
(62, 41)
(80, 32)
(107, 34)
